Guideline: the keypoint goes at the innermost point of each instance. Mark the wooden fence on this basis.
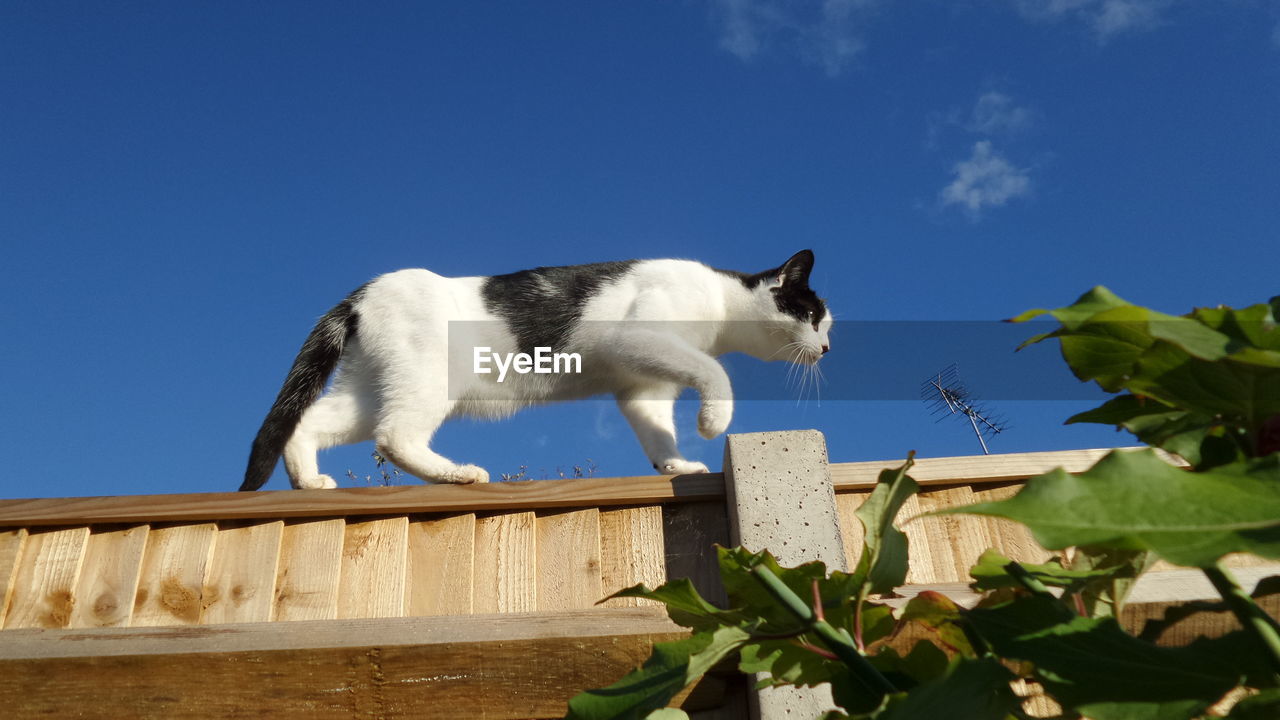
(413, 601)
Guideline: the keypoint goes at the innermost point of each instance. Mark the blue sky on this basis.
(186, 187)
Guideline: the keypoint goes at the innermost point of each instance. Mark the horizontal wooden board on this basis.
(515, 666)
(395, 500)
(529, 495)
(971, 469)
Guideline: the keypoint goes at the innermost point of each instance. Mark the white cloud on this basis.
(827, 32)
(995, 113)
(985, 180)
(742, 23)
(1108, 18)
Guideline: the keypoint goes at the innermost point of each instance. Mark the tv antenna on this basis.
(947, 396)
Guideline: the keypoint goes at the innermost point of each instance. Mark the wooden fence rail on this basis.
(422, 601)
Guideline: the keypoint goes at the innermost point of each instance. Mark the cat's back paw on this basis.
(466, 475)
(680, 467)
(714, 417)
(318, 482)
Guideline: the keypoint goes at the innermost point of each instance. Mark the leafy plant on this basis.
(1206, 387)
(387, 473)
(578, 472)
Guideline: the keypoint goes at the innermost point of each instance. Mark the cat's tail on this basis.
(306, 380)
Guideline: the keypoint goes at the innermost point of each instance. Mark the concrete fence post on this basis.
(781, 499)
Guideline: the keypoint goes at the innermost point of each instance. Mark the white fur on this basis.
(650, 333)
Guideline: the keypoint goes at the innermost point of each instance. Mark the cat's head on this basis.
(796, 321)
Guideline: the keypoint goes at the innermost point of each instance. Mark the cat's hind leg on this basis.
(342, 417)
(651, 412)
(402, 436)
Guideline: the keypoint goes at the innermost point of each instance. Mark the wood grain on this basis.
(690, 533)
(241, 583)
(174, 566)
(1012, 539)
(395, 500)
(921, 566)
(109, 576)
(630, 552)
(954, 541)
(375, 556)
(309, 570)
(11, 542)
(45, 580)
(524, 666)
(506, 563)
(974, 468)
(441, 566)
(851, 530)
(568, 564)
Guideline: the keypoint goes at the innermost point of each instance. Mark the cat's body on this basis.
(405, 350)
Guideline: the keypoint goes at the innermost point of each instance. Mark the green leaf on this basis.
(1092, 666)
(925, 662)
(685, 606)
(1106, 595)
(1101, 577)
(1254, 325)
(990, 573)
(1134, 500)
(970, 689)
(670, 668)
(750, 599)
(1220, 363)
(939, 614)
(882, 566)
(1195, 437)
(1086, 306)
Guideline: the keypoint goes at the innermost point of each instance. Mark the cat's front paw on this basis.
(316, 483)
(466, 475)
(714, 417)
(679, 466)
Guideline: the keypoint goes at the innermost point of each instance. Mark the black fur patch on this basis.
(794, 298)
(304, 383)
(542, 305)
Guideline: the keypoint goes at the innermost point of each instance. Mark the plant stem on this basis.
(857, 618)
(1027, 580)
(861, 668)
(1252, 617)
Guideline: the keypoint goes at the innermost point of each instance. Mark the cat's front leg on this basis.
(650, 410)
(714, 416)
(666, 357)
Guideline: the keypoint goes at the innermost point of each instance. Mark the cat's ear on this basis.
(795, 272)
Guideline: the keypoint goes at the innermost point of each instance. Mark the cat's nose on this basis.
(826, 349)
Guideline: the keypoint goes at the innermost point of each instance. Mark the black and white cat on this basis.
(411, 350)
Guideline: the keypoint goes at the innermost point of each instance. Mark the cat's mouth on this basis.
(800, 352)
(809, 357)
